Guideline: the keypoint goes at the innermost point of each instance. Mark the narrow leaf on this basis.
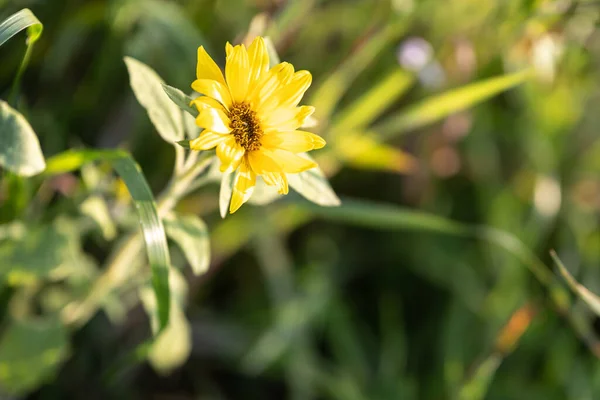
(14, 24)
(374, 102)
(152, 227)
(438, 107)
(180, 99)
(591, 299)
(191, 234)
(363, 149)
(20, 150)
(148, 89)
(184, 143)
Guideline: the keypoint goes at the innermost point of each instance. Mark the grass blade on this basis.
(440, 106)
(592, 300)
(14, 24)
(152, 227)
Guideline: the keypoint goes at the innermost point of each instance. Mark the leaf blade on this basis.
(20, 20)
(20, 150)
(152, 227)
(191, 235)
(440, 106)
(148, 89)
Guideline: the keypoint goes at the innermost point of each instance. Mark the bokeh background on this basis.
(380, 300)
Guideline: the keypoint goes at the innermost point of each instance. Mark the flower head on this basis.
(251, 115)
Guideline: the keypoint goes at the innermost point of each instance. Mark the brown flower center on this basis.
(245, 126)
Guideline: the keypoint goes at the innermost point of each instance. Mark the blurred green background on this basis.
(359, 303)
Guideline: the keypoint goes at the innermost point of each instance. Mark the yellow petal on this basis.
(289, 162)
(291, 93)
(278, 179)
(243, 186)
(230, 153)
(214, 89)
(207, 68)
(237, 69)
(286, 119)
(214, 120)
(263, 95)
(295, 141)
(204, 102)
(259, 60)
(207, 140)
(262, 163)
(228, 49)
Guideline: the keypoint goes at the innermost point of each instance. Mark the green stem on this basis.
(17, 80)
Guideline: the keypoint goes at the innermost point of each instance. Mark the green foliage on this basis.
(462, 137)
(148, 89)
(19, 146)
(150, 222)
(30, 351)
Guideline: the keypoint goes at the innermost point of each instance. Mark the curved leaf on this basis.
(20, 150)
(152, 227)
(148, 89)
(14, 24)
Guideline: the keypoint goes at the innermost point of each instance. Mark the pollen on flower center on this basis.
(245, 126)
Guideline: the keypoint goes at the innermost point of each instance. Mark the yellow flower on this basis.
(252, 117)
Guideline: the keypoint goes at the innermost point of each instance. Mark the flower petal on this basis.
(237, 69)
(204, 102)
(291, 94)
(289, 162)
(262, 163)
(243, 186)
(262, 96)
(207, 140)
(295, 141)
(214, 89)
(286, 119)
(259, 60)
(214, 120)
(207, 68)
(278, 179)
(230, 153)
(228, 49)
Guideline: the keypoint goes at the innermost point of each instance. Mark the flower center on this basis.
(245, 126)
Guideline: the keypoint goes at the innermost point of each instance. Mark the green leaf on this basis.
(374, 102)
(14, 24)
(184, 143)
(440, 106)
(313, 186)
(591, 299)
(191, 234)
(20, 150)
(151, 224)
(180, 99)
(30, 353)
(148, 89)
(45, 252)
